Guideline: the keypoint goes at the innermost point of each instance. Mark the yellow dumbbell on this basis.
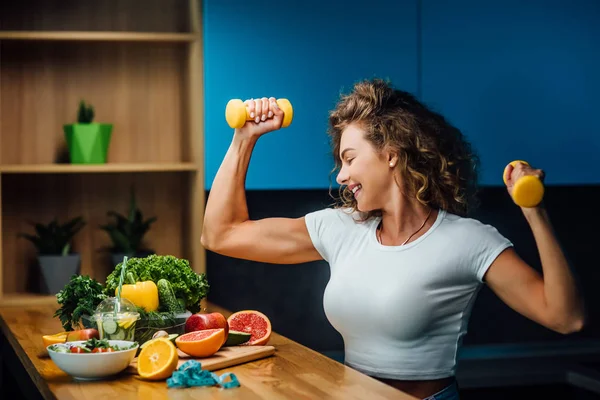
(528, 191)
(237, 114)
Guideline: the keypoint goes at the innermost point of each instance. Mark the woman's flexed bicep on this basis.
(271, 240)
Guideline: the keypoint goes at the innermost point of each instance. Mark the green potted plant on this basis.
(55, 256)
(87, 142)
(127, 232)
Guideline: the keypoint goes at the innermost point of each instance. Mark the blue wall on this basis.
(521, 80)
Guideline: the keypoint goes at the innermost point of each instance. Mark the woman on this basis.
(400, 238)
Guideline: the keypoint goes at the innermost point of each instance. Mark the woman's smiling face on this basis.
(367, 172)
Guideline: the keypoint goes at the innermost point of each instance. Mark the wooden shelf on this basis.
(99, 36)
(143, 73)
(96, 168)
(27, 299)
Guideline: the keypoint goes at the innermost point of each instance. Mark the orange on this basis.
(60, 337)
(157, 360)
(253, 322)
(202, 343)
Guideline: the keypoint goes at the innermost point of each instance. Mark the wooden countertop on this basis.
(294, 372)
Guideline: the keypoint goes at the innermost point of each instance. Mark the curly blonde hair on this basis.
(437, 163)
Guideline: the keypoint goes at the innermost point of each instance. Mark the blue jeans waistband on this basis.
(450, 392)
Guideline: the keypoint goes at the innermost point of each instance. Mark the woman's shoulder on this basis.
(474, 240)
(331, 230)
(341, 214)
(467, 225)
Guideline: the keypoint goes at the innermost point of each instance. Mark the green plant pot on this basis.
(88, 143)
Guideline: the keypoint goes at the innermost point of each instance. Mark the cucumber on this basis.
(129, 278)
(181, 303)
(235, 338)
(59, 348)
(166, 296)
(119, 335)
(129, 334)
(172, 337)
(110, 326)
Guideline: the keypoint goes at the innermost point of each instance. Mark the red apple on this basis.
(202, 321)
(82, 334)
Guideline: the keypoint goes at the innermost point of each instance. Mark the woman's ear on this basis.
(390, 156)
(392, 159)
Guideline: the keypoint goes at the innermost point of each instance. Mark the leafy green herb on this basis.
(79, 297)
(187, 284)
(94, 343)
(97, 343)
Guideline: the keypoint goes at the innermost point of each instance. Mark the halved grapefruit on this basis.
(253, 322)
(203, 343)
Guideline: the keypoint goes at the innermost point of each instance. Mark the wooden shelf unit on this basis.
(98, 168)
(99, 36)
(139, 63)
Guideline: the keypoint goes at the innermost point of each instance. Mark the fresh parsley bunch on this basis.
(79, 297)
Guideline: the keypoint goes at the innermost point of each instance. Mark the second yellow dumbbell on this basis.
(236, 113)
(528, 191)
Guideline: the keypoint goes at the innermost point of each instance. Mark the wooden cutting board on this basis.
(226, 357)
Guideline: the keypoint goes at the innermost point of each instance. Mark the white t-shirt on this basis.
(402, 310)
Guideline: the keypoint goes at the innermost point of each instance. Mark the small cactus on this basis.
(85, 115)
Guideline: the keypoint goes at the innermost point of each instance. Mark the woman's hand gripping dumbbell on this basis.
(238, 112)
(524, 184)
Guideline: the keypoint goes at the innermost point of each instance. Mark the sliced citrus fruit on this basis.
(253, 322)
(157, 360)
(146, 343)
(203, 343)
(60, 337)
(126, 322)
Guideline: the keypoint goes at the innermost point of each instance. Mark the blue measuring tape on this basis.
(191, 374)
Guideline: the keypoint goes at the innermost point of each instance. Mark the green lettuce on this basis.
(188, 285)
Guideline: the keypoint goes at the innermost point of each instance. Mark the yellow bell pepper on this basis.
(142, 294)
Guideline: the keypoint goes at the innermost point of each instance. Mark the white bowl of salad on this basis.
(93, 359)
